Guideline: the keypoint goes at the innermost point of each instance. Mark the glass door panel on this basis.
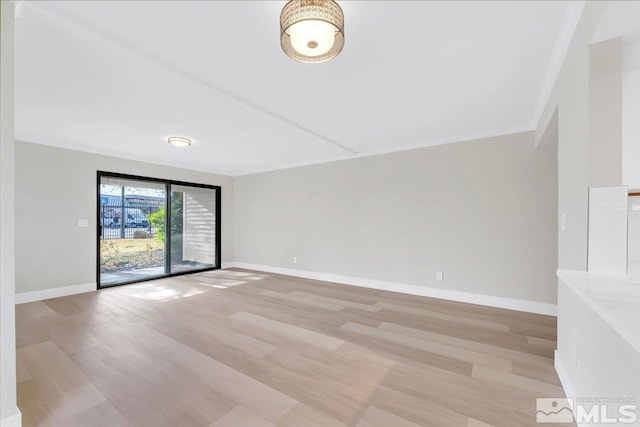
(193, 228)
(131, 230)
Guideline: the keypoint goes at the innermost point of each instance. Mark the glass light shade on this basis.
(312, 37)
(179, 141)
(312, 30)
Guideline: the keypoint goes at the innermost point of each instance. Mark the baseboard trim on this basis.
(563, 376)
(471, 298)
(567, 386)
(12, 421)
(64, 291)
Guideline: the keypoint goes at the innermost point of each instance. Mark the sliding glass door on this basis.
(129, 247)
(150, 228)
(193, 228)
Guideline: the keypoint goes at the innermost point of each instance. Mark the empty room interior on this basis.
(319, 213)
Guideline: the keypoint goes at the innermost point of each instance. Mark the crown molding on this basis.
(572, 16)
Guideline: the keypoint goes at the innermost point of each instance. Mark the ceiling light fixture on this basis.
(312, 30)
(179, 141)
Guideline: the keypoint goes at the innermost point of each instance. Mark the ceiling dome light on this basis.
(312, 30)
(179, 141)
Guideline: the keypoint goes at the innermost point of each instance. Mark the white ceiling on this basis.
(119, 77)
(622, 19)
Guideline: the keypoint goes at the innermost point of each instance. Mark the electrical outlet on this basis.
(563, 222)
(295, 259)
(439, 275)
(83, 223)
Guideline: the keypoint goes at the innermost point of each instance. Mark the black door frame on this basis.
(168, 183)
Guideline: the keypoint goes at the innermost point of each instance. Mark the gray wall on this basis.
(570, 99)
(55, 187)
(545, 169)
(471, 210)
(605, 113)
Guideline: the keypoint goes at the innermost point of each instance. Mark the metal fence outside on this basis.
(133, 224)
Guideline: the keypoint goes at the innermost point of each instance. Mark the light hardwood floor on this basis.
(235, 348)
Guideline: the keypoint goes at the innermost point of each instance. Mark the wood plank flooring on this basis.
(236, 348)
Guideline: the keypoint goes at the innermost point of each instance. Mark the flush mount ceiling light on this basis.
(312, 30)
(179, 141)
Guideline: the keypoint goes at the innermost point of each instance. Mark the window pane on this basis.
(193, 228)
(131, 230)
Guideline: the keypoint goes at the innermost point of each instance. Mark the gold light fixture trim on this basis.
(179, 141)
(312, 30)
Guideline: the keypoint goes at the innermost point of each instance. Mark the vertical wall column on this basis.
(630, 114)
(605, 113)
(9, 413)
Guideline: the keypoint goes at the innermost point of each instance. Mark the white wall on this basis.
(9, 414)
(55, 187)
(630, 115)
(468, 209)
(608, 230)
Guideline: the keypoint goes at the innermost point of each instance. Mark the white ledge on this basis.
(616, 299)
